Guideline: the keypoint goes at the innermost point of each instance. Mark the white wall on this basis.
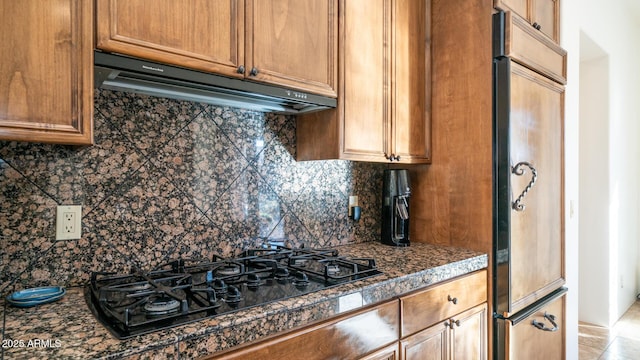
(614, 28)
(594, 259)
(570, 41)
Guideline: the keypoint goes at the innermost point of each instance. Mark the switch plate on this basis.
(69, 222)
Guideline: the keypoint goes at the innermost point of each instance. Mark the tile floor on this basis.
(620, 342)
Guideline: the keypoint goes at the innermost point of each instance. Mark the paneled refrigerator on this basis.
(528, 192)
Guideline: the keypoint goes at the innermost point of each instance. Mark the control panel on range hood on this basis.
(123, 73)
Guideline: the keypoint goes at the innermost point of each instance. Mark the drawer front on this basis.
(347, 337)
(527, 46)
(425, 308)
(526, 340)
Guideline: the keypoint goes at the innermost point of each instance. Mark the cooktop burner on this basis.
(187, 290)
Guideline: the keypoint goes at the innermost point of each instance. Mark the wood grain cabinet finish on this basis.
(462, 337)
(383, 112)
(427, 307)
(368, 334)
(526, 46)
(391, 352)
(537, 233)
(46, 71)
(446, 321)
(528, 341)
(542, 15)
(284, 42)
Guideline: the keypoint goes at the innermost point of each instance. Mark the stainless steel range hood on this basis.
(123, 73)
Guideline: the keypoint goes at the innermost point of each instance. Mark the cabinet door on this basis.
(388, 353)
(198, 34)
(410, 125)
(469, 340)
(429, 344)
(520, 7)
(293, 43)
(46, 71)
(350, 336)
(545, 15)
(366, 74)
(536, 142)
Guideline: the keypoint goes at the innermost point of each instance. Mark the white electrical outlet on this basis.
(353, 201)
(69, 222)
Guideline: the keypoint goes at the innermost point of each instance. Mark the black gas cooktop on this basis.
(187, 290)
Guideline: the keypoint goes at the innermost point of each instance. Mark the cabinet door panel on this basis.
(524, 340)
(412, 90)
(366, 73)
(199, 34)
(345, 337)
(470, 334)
(519, 7)
(46, 71)
(388, 353)
(294, 43)
(429, 344)
(546, 14)
(536, 137)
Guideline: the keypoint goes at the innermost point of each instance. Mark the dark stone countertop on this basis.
(67, 330)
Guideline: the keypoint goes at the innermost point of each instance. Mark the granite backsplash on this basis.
(168, 179)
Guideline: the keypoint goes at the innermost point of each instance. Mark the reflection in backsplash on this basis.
(169, 179)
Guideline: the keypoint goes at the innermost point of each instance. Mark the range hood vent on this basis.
(123, 73)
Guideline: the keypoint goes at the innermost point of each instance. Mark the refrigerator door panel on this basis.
(528, 216)
(535, 333)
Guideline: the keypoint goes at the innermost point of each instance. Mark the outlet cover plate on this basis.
(69, 222)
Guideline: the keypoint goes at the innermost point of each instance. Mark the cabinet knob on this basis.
(392, 157)
(452, 299)
(451, 323)
(537, 26)
(254, 71)
(240, 69)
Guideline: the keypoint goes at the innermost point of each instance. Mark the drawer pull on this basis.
(542, 326)
(453, 300)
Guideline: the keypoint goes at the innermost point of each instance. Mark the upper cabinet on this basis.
(383, 112)
(543, 15)
(46, 71)
(285, 42)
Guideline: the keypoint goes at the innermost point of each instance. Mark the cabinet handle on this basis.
(254, 71)
(451, 323)
(392, 157)
(519, 171)
(240, 69)
(453, 300)
(542, 326)
(537, 26)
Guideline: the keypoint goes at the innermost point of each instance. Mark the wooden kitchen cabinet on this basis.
(391, 352)
(383, 112)
(538, 333)
(344, 337)
(462, 337)
(284, 42)
(46, 71)
(535, 138)
(447, 321)
(542, 15)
